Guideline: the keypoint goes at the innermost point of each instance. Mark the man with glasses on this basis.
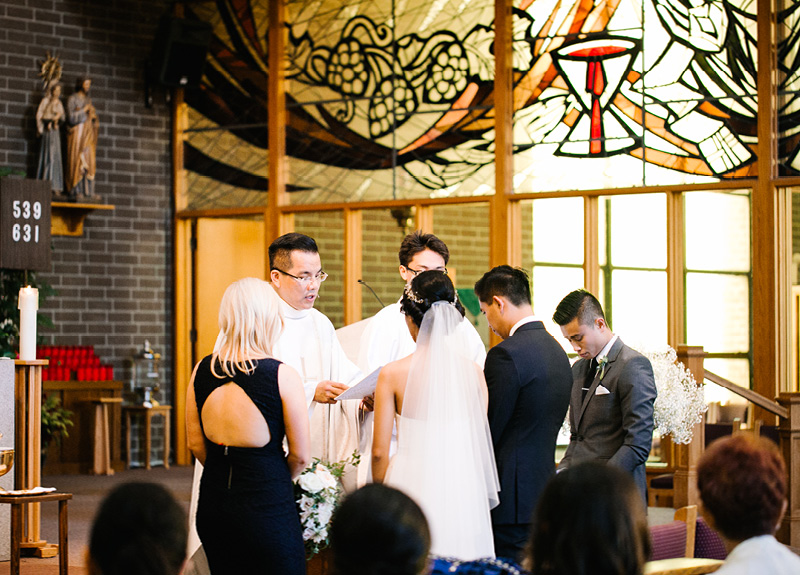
(386, 337)
(309, 344)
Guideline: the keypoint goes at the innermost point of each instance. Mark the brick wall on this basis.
(113, 283)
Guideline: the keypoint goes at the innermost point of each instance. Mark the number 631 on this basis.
(25, 232)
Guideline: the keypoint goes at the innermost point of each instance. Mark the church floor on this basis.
(89, 490)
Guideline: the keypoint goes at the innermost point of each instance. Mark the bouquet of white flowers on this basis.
(317, 491)
(680, 403)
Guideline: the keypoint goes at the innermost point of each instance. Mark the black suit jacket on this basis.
(529, 380)
(616, 425)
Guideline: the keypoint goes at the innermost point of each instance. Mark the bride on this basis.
(444, 459)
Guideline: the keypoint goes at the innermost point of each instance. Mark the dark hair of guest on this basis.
(429, 287)
(379, 530)
(590, 520)
(578, 304)
(280, 251)
(140, 529)
(510, 283)
(742, 483)
(418, 241)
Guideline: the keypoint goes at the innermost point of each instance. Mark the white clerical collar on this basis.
(291, 313)
(520, 323)
(607, 348)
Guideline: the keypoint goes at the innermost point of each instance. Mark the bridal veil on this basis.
(445, 459)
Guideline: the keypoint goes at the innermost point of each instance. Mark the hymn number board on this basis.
(25, 224)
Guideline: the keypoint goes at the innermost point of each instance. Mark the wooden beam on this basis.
(687, 456)
(752, 396)
(182, 281)
(500, 248)
(676, 241)
(789, 531)
(424, 217)
(591, 237)
(768, 307)
(276, 118)
(352, 266)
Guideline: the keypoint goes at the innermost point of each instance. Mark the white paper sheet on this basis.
(363, 388)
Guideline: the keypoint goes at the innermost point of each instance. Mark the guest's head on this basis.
(421, 252)
(379, 530)
(425, 290)
(742, 484)
(296, 269)
(250, 321)
(140, 529)
(590, 520)
(583, 323)
(505, 297)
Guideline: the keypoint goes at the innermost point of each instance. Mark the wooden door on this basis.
(227, 250)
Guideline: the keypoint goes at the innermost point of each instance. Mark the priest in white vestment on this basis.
(308, 343)
(386, 337)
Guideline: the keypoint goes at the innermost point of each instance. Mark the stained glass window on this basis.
(395, 99)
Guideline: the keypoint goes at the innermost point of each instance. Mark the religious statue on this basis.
(49, 116)
(82, 132)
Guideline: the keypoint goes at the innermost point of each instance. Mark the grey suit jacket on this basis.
(617, 426)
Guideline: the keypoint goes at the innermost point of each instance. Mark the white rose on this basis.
(305, 503)
(326, 477)
(311, 483)
(324, 514)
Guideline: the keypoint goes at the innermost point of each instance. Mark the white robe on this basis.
(309, 344)
(385, 339)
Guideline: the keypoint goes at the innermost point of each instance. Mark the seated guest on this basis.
(590, 520)
(140, 529)
(379, 530)
(742, 484)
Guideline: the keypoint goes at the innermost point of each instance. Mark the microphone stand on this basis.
(365, 284)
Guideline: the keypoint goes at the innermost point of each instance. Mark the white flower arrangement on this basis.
(680, 403)
(317, 492)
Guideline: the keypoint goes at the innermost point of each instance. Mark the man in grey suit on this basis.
(611, 406)
(529, 381)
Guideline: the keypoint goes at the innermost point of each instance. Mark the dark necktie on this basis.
(589, 378)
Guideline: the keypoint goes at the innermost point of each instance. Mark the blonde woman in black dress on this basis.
(240, 405)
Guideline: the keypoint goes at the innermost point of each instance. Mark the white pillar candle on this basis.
(28, 304)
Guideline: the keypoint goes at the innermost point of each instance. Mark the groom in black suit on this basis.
(529, 381)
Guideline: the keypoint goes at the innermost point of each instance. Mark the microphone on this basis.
(365, 284)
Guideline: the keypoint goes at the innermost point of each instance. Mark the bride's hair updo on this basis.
(424, 291)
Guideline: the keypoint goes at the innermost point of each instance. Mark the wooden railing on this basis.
(786, 408)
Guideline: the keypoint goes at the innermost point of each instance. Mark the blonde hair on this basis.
(250, 320)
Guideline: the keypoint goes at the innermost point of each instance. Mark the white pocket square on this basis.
(600, 390)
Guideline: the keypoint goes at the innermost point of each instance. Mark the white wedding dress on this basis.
(444, 459)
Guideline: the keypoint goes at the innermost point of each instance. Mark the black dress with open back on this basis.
(247, 519)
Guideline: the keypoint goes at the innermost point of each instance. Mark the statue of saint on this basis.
(82, 129)
(49, 116)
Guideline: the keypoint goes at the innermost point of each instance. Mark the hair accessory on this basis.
(411, 295)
